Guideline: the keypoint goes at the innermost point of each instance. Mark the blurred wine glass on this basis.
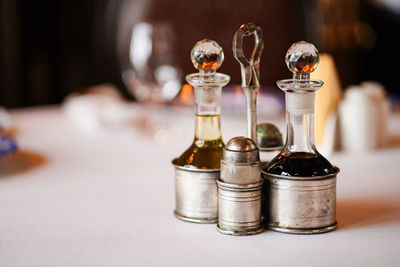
(152, 76)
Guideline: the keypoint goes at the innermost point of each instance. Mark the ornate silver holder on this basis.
(301, 205)
(196, 194)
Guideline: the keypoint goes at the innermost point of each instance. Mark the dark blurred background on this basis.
(49, 48)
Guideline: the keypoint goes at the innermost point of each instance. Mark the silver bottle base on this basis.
(300, 205)
(239, 233)
(196, 194)
(193, 220)
(305, 231)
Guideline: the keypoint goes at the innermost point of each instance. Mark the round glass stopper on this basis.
(302, 57)
(207, 55)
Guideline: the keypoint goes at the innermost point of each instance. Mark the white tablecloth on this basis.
(70, 198)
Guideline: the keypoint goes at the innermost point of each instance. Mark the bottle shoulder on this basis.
(300, 164)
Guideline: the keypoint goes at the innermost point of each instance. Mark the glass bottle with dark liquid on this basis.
(299, 156)
(206, 149)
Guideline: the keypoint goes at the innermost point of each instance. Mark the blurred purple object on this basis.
(7, 146)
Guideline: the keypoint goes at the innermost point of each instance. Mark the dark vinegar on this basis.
(300, 164)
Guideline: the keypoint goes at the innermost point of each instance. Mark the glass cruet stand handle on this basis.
(299, 156)
(206, 149)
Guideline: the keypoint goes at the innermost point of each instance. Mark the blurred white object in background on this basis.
(364, 114)
(327, 100)
(378, 93)
(102, 110)
(97, 109)
(152, 75)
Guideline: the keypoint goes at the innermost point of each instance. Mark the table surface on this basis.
(72, 198)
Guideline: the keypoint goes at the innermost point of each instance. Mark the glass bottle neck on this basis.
(208, 110)
(207, 100)
(300, 122)
(207, 95)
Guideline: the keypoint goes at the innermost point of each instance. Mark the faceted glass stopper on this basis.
(302, 57)
(207, 55)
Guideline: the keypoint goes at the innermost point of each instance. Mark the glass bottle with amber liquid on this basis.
(206, 149)
(299, 156)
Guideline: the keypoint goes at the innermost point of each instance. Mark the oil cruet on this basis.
(198, 168)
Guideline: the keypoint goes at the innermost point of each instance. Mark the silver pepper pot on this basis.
(239, 188)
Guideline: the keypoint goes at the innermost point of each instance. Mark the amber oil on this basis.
(206, 149)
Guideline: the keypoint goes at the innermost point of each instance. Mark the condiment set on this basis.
(228, 185)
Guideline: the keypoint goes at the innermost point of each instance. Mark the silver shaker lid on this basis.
(269, 138)
(240, 150)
